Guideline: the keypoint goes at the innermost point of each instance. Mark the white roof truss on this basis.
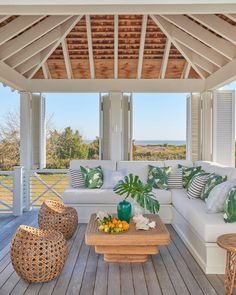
(90, 46)
(231, 16)
(141, 46)
(116, 44)
(67, 59)
(186, 70)
(217, 25)
(222, 46)
(65, 29)
(46, 72)
(3, 18)
(16, 26)
(186, 53)
(165, 59)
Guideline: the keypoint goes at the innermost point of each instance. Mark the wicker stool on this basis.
(228, 242)
(55, 215)
(38, 255)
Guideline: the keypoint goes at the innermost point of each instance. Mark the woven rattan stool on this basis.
(55, 215)
(38, 255)
(228, 242)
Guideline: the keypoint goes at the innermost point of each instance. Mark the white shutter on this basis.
(206, 126)
(127, 127)
(224, 127)
(193, 145)
(105, 105)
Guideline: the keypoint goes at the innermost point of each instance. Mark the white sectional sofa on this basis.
(198, 229)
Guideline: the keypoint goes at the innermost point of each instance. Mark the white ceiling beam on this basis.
(119, 7)
(34, 60)
(65, 30)
(122, 85)
(141, 46)
(166, 29)
(165, 59)
(220, 45)
(116, 44)
(16, 26)
(12, 78)
(90, 46)
(3, 18)
(186, 71)
(67, 59)
(15, 45)
(231, 16)
(34, 48)
(46, 72)
(221, 77)
(218, 25)
(197, 59)
(196, 46)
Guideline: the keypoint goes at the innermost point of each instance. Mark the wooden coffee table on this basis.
(130, 246)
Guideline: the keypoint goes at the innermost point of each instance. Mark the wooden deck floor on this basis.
(172, 271)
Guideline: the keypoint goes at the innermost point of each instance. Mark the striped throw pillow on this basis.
(175, 179)
(77, 178)
(197, 185)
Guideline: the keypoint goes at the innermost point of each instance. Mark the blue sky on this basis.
(156, 116)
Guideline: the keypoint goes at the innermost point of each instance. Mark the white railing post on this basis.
(18, 191)
(27, 190)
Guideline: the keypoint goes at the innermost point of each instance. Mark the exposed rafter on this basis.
(186, 70)
(220, 45)
(34, 48)
(217, 25)
(15, 45)
(231, 16)
(3, 18)
(67, 59)
(165, 59)
(90, 46)
(166, 30)
(16, 26)
(65, 29)
(46, 72)
(116, 45)
(141, 46)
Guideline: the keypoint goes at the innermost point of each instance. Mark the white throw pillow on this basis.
(217, 196)
(111, 178)
(196, 186)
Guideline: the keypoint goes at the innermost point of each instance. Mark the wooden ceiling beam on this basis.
(67, 59)
(15, 45)
(231, 16)
(90, 46)
(3, 18)
(46, 72)
(166, 29)
(222, 46)
(218, 25)
(34, 48)
(16, 26)
(186, 70)
(142, 44)
(165, 59)
(65, 29)
(116, 45)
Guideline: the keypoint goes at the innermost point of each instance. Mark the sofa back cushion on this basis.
(139, 168)
(218, 169)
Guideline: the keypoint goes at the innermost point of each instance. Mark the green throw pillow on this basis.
(212, 181)
(230, 206)
(158, 176)
(93, 177)
(188, 173)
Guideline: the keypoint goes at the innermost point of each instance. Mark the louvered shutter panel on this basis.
(224, 127)
(193, 148)
(127, 126)
(105, 105)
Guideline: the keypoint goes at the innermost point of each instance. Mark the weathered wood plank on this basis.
(100, 287)
(126, 279)
(139, 279)
(151, 278)
(216, 283)
(113, 279)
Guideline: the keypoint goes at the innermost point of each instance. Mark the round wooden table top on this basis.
(227, 242)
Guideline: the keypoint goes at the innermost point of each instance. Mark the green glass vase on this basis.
(124, 211)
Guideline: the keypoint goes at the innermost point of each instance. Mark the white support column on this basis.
(206, 128)
(18, 191)
(127, 127)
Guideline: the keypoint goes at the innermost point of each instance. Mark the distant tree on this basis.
(93, 150)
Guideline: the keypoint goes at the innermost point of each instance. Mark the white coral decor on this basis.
(102, 214)
(142, 222)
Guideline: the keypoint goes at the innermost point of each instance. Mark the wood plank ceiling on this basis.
(117, 46)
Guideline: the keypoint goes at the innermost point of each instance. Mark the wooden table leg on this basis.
(230, 272)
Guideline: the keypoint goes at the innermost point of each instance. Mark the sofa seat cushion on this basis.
(208, 226)
(105, 196)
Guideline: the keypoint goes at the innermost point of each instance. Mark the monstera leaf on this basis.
(142, 193)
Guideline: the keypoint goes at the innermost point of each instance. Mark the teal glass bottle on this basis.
(124, 211)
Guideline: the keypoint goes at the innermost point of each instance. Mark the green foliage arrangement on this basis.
(142, 193)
